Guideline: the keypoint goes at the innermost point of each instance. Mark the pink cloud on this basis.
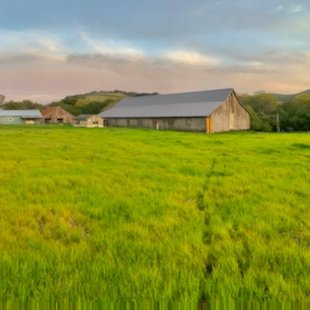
(47, 79)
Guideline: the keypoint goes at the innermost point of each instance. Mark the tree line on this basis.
(294, 114)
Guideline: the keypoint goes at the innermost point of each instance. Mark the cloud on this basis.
(53, 79)
(112, 48)
(45, 81)
(192, 58)
(297, 9)
(275, 60)
(31, 45)
(87, 72)
(241, 52)
(18, 58)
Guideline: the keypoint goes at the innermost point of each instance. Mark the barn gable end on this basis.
(231, 115)
(57, 115)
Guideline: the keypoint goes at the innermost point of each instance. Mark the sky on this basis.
(50, 49)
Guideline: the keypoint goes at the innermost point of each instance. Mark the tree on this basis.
(295, 114)
(263, 108)
(22, 105)
(2, 98)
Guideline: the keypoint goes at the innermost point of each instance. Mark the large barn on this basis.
(205, 111)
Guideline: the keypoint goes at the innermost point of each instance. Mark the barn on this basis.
(205, 111)
(89, 121)
(57, 115)
(16, 117)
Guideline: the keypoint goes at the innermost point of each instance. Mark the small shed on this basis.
(57, 115)
(206, 111)
(89, 121)
(16, 117)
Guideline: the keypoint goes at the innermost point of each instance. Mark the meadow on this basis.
(131, 215)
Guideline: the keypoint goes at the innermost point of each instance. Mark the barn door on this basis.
(155, 124)
(208, 125)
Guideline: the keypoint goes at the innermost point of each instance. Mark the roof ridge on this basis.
(198, 91)
(183, 93)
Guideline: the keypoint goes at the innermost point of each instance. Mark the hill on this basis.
(285, 98)
(93, 102)
(89, 103)
(145, 215)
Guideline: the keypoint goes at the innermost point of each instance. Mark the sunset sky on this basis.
(53, 48)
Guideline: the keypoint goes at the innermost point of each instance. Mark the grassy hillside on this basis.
(91, 103)
(94, 102)
(285, 98)
(125, 214)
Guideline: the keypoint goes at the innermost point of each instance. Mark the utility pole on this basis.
(278, 122)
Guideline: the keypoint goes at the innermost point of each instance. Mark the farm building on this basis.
(205, 111)
(89, 121)
(57, 115)
(15, 117)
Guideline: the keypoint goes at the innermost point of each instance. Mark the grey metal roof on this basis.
(21, 113)
(194, 104)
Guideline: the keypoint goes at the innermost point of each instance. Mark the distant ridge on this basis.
(284, 98)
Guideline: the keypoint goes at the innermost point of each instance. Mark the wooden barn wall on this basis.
(33, 121)
(59, 114)
(230, 116)
(186, 124)
(91, 122)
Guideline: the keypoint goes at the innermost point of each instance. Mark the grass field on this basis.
(125, 214)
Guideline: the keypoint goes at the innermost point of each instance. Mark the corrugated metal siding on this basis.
(10, 120)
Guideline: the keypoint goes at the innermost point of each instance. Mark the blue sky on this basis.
(49, 49)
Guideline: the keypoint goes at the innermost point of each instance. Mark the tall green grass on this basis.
(133, 215)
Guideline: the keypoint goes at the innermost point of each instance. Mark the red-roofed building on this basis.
(57, 115)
